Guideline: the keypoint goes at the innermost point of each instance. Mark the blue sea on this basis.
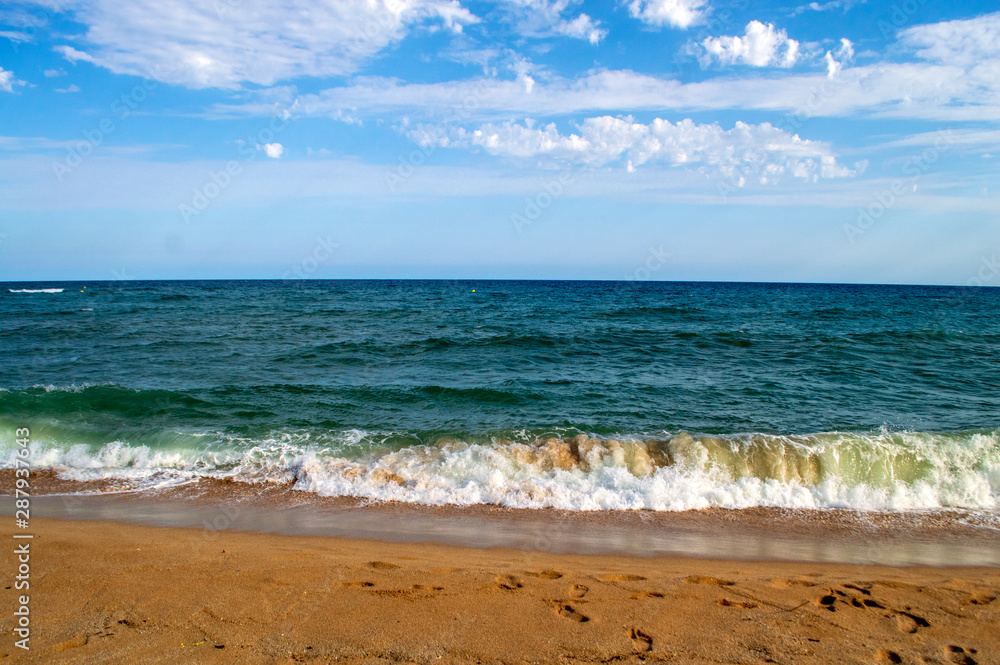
(571, 395)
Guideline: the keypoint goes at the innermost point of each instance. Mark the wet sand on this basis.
(833, 536)
(112, 592)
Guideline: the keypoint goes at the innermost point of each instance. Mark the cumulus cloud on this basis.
(69, 89)
(51, 73)
(220, 44)
(675, 13)
(761, 46)
(274, 150)
(7, 80)
(764, 150)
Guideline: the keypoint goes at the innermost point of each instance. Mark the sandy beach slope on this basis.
(109, 592)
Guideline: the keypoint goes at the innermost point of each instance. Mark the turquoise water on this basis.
(582, 395)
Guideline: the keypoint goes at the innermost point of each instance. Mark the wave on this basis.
(880, 471)
(36, 290)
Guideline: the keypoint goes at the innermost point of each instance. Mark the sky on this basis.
(841, 141)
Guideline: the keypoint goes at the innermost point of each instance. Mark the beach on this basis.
(117, 592)
(502, 472)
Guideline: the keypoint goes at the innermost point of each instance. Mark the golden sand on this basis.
(108, 592)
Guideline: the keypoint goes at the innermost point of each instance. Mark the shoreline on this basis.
(109, 591)
(759, 534)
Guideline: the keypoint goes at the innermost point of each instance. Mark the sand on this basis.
(112, 592)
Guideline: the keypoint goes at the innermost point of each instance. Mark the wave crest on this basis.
(879, 471)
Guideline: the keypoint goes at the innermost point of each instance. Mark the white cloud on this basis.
(675, 13)
(761, 46)
(51, 73)
(15, 36)
(452, 14)
(224, 44)
(935, 91)
(274, 150)
(967, 140)
(827, 6)
(966, 42)
(74, 55)
(925, 91)
(582, 27)
(7, 80)
(69, 89)
(836, 61)
(763, 151)
(546, 18)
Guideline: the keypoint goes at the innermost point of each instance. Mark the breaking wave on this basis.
(880, 471)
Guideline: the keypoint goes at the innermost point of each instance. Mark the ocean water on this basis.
(574, 395)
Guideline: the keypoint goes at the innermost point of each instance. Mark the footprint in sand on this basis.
(621, 578)
(640, 640)
(784, 582)
(348, 584)
(425, 587)
(545, 574)
(707, 579)
(725, 602)
(886, 657)
(959, 655)
(980, 599)
(647, 594)
(863, 603)
(73, 643)
(508, 583)
(382, 565)
(826, 602)
(578, 591)
(568, 611)
(909, 623)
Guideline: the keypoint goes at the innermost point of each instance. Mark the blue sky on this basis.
(841, 141)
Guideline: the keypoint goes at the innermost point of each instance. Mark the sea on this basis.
(575, 395)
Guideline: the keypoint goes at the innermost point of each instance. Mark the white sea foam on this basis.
(35, 290)
(901, 471)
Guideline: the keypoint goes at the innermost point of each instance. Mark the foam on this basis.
(35, 290)
(869, 472)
